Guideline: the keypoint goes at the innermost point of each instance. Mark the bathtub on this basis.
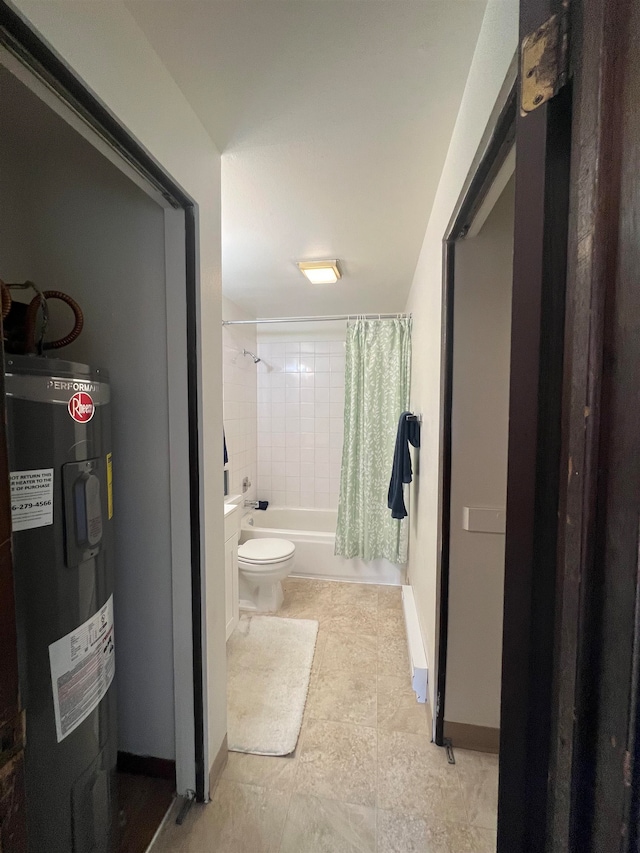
(313, 533)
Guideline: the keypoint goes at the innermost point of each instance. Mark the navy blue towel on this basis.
(401, 473)
(226, 455)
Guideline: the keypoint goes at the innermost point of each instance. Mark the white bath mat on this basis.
(268, 670)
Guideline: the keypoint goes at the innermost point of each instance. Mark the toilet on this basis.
(262, 566)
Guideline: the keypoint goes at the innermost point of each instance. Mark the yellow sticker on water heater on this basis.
(110, 485)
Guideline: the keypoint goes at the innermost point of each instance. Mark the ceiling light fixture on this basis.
(320, 272)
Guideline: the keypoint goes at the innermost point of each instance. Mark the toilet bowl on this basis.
(262, 566)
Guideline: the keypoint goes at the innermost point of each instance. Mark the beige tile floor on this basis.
(364, 777)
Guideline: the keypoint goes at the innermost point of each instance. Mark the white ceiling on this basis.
(333, 119)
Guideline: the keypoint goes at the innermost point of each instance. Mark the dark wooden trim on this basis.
(448, 264)
(543, 144)
(596, 769)
(18, 37)
(631, 802)
(147, 765)
(13, 808)
(596, 26)
(466, 736)
(194, 498)
(500, 141)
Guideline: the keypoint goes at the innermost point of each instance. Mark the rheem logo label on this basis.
(81, 407)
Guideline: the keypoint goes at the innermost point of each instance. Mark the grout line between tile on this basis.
(286, 818)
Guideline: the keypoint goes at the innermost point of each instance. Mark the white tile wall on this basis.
(300, 422)
(240, 409)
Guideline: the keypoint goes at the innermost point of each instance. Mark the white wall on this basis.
(240, 399)
(480, 419)
(494, 52)
(301, 416)
(106, 48)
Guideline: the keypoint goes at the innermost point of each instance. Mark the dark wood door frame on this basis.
(570, 747)
(543, 151)
(570, 772)
(21, 40)
(595, 765)
(13, 826)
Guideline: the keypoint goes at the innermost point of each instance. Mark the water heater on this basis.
(59, 438)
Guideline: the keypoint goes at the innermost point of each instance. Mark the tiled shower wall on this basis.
(300, 422)
(239, 393)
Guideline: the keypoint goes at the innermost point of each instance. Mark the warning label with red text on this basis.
(82, 668)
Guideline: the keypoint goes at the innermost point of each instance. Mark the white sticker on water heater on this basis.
(31, 498)
(82, 667)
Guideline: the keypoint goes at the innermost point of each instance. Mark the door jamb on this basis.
(497, 142)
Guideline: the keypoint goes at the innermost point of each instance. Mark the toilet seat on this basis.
(265, 552)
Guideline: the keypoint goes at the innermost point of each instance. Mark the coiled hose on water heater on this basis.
(28, 344)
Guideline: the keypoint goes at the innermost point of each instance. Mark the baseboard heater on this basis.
(417, 656)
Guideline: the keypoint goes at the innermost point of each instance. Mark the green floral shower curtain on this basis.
(377, 379)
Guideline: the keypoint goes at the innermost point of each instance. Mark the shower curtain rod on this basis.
(398, 316)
